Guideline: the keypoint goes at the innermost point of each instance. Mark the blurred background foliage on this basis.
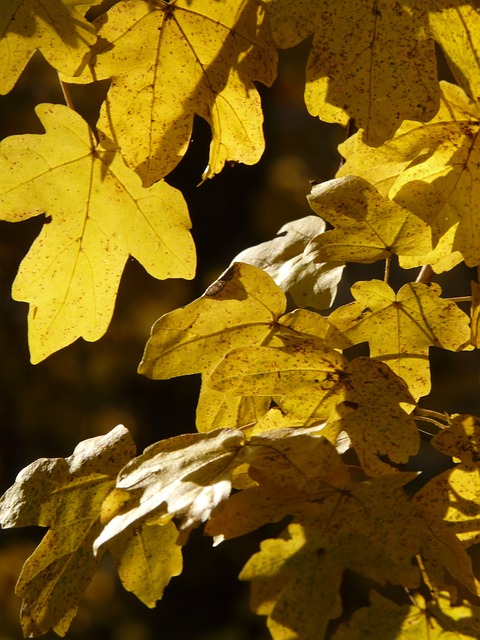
(88, 388)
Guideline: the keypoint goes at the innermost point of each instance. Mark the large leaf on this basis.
(400, 328)
(240, 308)
(371, 60)
(430, 169)
(98, 215)
(54, 27)
(65, 495)
(190, 58)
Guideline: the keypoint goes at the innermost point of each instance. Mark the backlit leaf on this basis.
(400, 328)
(371, 60)
(461, 441)
(455, 25)
(146, 558)
(190, 58)
(241, 307)
(54, 27)
(435, 620)
(65, 495)
(98, 215)
(216, 409)
(430, 169)
(369, 227)
(290, 577)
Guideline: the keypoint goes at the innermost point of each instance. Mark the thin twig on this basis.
(460, 299)
(387, 269)
(425, 275)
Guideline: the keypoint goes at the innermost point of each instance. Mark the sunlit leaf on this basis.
(98, 215)
(435, 620)
(430, 169)
(190, 58)
(290, 577)
(369, 227)
(285, 259)
(241, 307)
(455, 25)
(65, 495)
(216, 409)
(146, 558)
(54, 27)
(400, 328)
(353, 69)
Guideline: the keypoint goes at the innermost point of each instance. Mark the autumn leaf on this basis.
(400, 328)
(369, 227)
(223, 47)
(146, 558)
(455, 25)
(97, 215)
(216, 410)
(240, 308)
(65, 495)
(290, 576)
(352, 69)
(54, 27)
(185, 476)
(461, 440)
(313, 383)
(435, 620)
(285, 258)
(430, 169)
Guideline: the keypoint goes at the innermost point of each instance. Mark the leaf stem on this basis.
(460, 299)
(387, 269)
(440, 420)
(425, 275)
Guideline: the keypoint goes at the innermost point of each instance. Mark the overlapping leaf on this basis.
(312, 383)
(65, 495)
(431, 169)
(98, 215)
(400, 328)
(372, 61)
(285, 258)
(369, 227)
(240, 308)
(356, 528)
(435, 620)
(54, 27)
(190, 58)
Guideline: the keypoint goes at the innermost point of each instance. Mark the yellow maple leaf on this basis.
(216, 409)
(437, 619)
(371, 61)
(97, 215)
(290, 578)
(54, 27)
(455, 25)
(369, 227)
(241, 307)
(65, 495)
(147, 558)
(198, 58)
(400, 328)
(430, 169)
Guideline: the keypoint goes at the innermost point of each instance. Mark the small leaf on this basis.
(147, 558)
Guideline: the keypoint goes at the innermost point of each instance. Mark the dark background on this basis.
(87, 389)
